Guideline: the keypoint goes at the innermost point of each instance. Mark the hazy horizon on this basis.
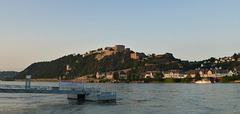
(35, 31)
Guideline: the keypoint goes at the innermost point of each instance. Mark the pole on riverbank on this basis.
(28, 82)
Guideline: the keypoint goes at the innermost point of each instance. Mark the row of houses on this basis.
(174, 74)
(226, 59)
(192, 73)
(109, 75)
(113, 50)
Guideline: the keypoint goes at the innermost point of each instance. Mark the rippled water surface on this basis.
(131, 98)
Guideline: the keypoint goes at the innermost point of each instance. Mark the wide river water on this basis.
(131, 98)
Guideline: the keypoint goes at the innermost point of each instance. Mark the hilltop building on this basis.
(137, 55)
(107, 51)
(164, 55)
(119, 48)
(127, 49)
(108, 48)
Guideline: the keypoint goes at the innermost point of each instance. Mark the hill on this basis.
(7, 74)
(73, 66)
(119, 58)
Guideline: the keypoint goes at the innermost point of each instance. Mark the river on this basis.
(131, 98)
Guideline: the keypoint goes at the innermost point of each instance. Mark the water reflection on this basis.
(80, 102)
(75, 102)
(132, 98)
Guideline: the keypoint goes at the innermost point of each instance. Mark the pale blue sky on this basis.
(43, 30)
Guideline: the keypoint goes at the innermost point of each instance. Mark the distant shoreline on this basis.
(37, 80)
(55, 80)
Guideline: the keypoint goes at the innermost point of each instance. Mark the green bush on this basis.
(169, 80)
(227, 79)
(7, 79)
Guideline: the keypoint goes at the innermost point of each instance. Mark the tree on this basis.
(133, 76)
(153, 55)
(129, 76)
(99, 49)
(147, 80)
(121, 79)
(137, 77)
(115, 75)
(188, 78)
(111, 49)
(94, 76)
(157, 77)
(235, 56)
(197, 76)
(8, 79)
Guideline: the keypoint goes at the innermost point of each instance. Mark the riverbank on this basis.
(56, 80)
(92, 80)
(38, 80)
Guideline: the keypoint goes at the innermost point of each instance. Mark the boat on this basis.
(237, 81)
(90, 94)
(203, 82)
(101, 96)
(93, 94)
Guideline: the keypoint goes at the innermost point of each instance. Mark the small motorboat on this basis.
(96, 95)
(203, 82)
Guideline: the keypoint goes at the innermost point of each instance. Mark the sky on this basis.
(43, 30)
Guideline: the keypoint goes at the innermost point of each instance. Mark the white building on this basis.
(221, 73)
(173, 74)
(100, 75)
(151, 74)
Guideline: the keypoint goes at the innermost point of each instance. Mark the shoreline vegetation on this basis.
(225, 79)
